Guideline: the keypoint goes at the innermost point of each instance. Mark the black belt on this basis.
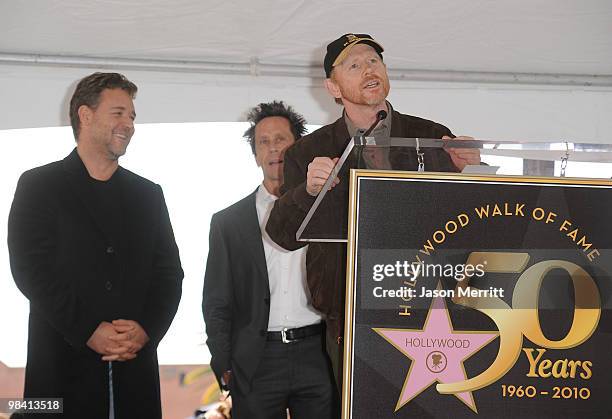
(293, 335)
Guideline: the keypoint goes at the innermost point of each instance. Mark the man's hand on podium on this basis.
(318, 171)
(462, 157)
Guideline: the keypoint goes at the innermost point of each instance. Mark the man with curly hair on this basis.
(265, 338)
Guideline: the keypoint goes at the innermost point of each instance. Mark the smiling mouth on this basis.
(275, 162)
(122, 137)
(372, 84)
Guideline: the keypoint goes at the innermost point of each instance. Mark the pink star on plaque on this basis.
(437, 352)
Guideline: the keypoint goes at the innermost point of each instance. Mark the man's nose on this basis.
(128, 123)
(275, 145)
(368, 67)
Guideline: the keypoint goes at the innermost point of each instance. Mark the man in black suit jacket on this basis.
(265, 338)
(92, 248)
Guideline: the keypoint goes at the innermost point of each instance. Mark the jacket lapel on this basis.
(396, 128)
(341, 134)
(249, 229)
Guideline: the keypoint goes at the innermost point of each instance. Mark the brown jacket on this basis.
(326, 262)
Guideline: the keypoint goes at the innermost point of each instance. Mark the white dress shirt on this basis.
(289, 295)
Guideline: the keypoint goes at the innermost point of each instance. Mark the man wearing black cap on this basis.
(356, 77)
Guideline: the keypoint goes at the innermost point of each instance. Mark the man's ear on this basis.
(85, 114)
(332, 88)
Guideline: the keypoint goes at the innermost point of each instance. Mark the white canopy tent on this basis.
(507, 69)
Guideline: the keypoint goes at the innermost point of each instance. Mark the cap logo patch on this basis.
(350, 38)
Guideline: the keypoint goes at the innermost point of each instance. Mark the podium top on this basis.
(422, 154)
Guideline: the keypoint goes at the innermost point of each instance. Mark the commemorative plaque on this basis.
(477, 296)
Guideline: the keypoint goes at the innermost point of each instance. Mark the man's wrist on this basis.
(226, 377)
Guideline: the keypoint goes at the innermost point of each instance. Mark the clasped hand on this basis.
(118, 341)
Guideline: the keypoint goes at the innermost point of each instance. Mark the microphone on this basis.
(379, 117)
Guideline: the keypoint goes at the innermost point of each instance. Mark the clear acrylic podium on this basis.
(527, 158)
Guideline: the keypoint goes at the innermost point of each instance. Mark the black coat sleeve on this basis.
(291, 208)
(33, 246)
(217, 301)
(165, 290)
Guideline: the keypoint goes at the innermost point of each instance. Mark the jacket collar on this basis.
(79, 182)
(73, 164)
(342, 136)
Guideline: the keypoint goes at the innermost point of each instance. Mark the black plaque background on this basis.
(400, 214)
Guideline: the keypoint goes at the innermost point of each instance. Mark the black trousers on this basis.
(295, 376)
(335, 351)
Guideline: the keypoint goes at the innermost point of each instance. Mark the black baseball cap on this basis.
(338, 49)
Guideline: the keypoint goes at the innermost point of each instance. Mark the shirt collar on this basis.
(264, 196)
(382, 130)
